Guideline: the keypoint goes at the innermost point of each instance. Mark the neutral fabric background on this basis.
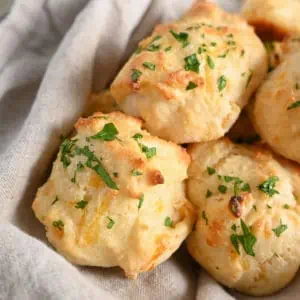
(52, 54)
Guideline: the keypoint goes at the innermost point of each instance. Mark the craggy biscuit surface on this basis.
(190, 79)
(116, 196)
(247, 235)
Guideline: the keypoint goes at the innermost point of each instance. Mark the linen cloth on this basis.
(53, 54)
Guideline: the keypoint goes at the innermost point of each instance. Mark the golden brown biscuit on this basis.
(273, 19)
(115, 197)
(247, 234)
(276, 109)
(190, 79)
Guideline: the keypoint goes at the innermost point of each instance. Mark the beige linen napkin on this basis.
(79, 45)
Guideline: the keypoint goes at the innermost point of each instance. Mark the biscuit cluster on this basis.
(150, 167)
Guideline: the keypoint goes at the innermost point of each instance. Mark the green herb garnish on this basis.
(149, 65)
(192, 85)
(168, 49)
(192, 63)
(181, 37)
(81, 204)
(168, 222)
(141, 201)
(135, 172)
(294, 105)
(247, 240)
(138, 50)
(286, 206)
(135, 75)
(221, 83)
(268, 186)
(66, 149)
(211, 170)
(222, 189)
(137, 136)
(208, 193)
(210, 62)
(108, 133)
(111, 223)
(280, 229)
(59, 224)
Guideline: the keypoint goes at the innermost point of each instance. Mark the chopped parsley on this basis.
(222, 189)
(208, 193)
(168, 222)
(181, 37)
(231, 43)
(246, 188)
(280, 229)
(116, 174)
(192, 63)
(254, 207)
(135, 75)
(221, 83)
(81, 204)
(137, 136)
(94, 163)
(108, 133)
(286, 206)
(234, 227)
(202, 49)
(213, 44)
(211, 170)
(141, 201)
(168, 49)
(138, 50)
(269, 206)
(135, 172)
(210, 62)
(149, 152)
(204, 217)
(230, 35)
(110, 223)
(55, 200)
(247, 240)
(191, 85)
(149, 65)
(153, 48)
(268, 186)
(66, 148)
(59, 224)
(294, 105)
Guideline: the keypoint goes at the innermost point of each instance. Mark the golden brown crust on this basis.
(187, 103)
(121, 222)
(265, 259)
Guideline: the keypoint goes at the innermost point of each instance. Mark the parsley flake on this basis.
(137, 136)
(222, 189)
(135, 75)
(141, 201)
(110, 224)
(208, 193)
(247, 240)
(280, 229)
(294, 105)
(286, 206)
(168, 49)
(192, 85)
(135, 172)
(138, 50)
(66, 148)
(149, 65)
(59, 224)
(181, 37)
(168, 222)
(192, 63)
(149, 152)
(268, 186)
(108, 133)
(221, 83)
(81, 204)
(210, 62)
(211, 170)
